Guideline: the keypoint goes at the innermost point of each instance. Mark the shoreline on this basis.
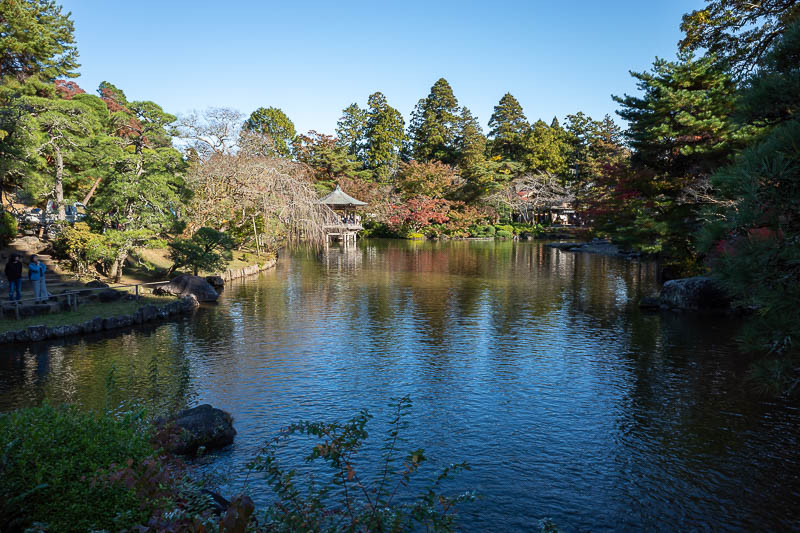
(144, 314)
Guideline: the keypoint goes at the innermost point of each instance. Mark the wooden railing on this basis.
(73, 296)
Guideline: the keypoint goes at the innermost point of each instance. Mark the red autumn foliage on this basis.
(68, 89)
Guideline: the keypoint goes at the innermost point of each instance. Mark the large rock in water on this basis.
(186, 284)
(204, 426)
(695, 294)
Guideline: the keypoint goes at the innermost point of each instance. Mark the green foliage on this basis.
(508, 127)
(346, 499)
(351, 131)
(544, 149)
(273, 122)
(329, 160)
(504, 234)
(415, 236)
(482, 231)
(739, 32)
(681, 130)
(53, 454)
(36, 39)
(755, 243)
(384, 136)
(82, 247)
(208, 250)
(8, 228)
(435, 125)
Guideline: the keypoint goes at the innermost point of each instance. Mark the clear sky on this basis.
(312, 59)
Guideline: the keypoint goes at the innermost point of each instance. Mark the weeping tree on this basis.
(241, 189)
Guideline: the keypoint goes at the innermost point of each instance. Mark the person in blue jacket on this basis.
(36, 270)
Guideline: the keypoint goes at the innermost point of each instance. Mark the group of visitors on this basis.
(36, 270)
(351, 219)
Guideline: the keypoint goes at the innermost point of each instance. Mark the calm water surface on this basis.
(527, 362)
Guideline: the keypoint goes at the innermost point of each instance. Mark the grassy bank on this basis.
(152, 264)
(85, 312)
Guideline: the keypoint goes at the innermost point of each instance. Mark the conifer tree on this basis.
(681, 131)
(351, 130)
(755, 243)
(435, 125)
(273, 122)
(508, 127)
(384, 135)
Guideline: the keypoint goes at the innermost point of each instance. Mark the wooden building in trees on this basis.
(349, 224)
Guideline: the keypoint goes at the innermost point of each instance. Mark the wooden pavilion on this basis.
(344, 206)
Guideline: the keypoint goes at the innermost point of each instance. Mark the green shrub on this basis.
(482, 231)
(52, 454)
(504, 227)
(378, 230)
(503, 234)
(8, 228)
(414, 236)
(208, 249)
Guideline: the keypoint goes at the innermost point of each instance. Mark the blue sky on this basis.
(312, 59)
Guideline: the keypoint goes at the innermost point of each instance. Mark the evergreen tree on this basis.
(508, 128)
(351, 130)
(471, 149)
(680, 131)
(738, 32)
(36, 38)
(385, 133)
(273, 122)
(435, 125)
(544, 150)
(755, 244)
(329, 160)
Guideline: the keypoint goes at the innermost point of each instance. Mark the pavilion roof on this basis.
(339, 198)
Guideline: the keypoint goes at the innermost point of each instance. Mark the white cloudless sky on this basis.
(312, 59)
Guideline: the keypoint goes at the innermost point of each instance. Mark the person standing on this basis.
(36, 270)
(13, 272)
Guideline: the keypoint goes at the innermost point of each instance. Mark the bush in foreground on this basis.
(50, 456)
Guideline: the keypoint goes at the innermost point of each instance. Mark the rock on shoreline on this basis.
(597, 246)
(203, 426)
(699, 294)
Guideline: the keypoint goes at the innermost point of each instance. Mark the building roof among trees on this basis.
(339, 198)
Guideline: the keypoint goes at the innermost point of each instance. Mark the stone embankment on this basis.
(230, 275)
(146, 313)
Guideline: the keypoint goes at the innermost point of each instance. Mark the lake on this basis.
(532, 364)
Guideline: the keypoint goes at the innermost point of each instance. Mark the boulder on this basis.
(650, 303)
(189, 303)
(38, 333)
(97, 284)
(109, 295)
(695, 294)
(202, 426)
(217, 282)
(186, 284)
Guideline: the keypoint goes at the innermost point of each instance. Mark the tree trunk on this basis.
(116, 267)
(59, 190)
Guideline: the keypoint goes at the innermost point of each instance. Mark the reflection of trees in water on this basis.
(144, 366)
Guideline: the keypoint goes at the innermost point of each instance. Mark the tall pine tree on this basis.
(508, 127)
(435, 125)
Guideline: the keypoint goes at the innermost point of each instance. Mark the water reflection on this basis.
(531, 363)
